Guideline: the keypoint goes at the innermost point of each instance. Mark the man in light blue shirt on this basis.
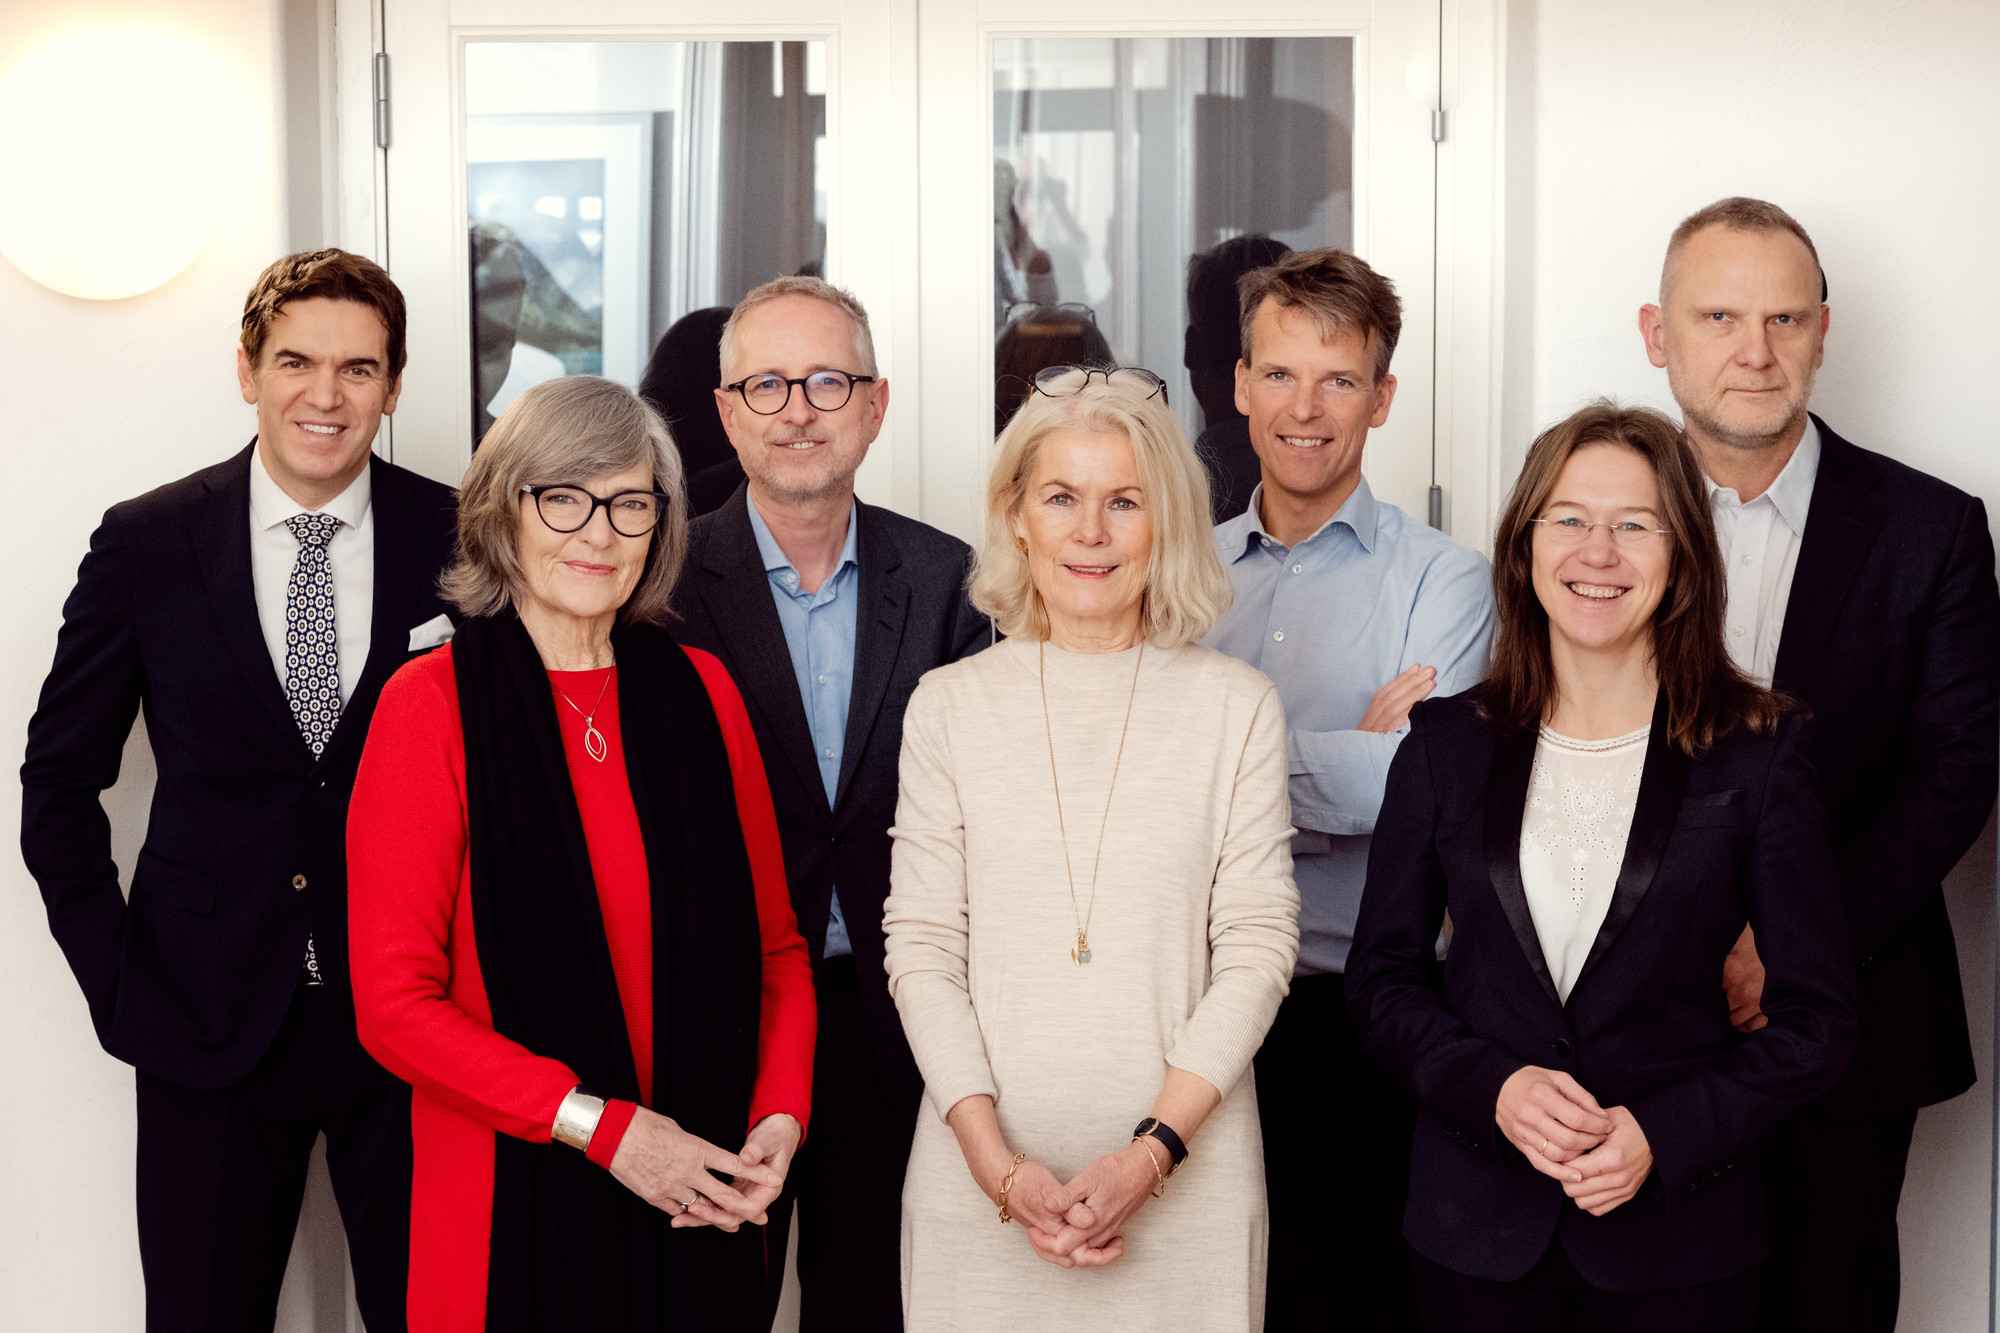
(1355, 613)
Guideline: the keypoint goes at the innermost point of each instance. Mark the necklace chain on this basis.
(1081, 953)
(594, 743)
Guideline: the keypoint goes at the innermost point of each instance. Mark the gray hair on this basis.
(819, 290)
(564, 432)
(1187, 590)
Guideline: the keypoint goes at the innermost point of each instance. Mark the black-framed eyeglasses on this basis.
(826, 391)
(570, 508)
(1063, 381)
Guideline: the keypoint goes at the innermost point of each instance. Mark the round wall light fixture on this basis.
(115, 156)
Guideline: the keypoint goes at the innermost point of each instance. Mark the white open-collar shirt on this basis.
(274, 551)
(1760, 553)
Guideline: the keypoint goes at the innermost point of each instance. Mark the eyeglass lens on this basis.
(826, 391)
(569, 508)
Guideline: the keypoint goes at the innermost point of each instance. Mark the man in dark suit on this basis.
(1866, 589)
(827, 611)
(254, 610)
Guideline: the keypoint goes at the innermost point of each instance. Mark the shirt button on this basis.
(1298, 569)
(827, 753)
(1746, 559)
(1278, 635)
(298, 881)
(1265, 540)
(822, 680)
(1736, 630)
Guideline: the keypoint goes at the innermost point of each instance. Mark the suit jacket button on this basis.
(834, 843)
(1563, 1048)
(298, 881)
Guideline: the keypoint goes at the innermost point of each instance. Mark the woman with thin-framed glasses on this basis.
(1600, 818)
(570, 925)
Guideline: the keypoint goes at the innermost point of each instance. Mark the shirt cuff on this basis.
(610, 1131)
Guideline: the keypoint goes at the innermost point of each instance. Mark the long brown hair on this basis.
(1707, 697)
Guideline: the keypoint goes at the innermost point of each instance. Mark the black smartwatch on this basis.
(1176, 1149)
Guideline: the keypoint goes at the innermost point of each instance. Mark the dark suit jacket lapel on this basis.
(1661, 783)
(882, 597)
(1506, 798)
(220, 531)
(402, 540)
(738, 598)
(1840, 528)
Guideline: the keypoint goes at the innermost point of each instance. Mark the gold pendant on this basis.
(1082, 950)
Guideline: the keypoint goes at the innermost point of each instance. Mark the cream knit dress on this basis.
(1193, 937)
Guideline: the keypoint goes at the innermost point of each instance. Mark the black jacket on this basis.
(1737, 836)
(1892, 640)
(912, 616)
(190, 980)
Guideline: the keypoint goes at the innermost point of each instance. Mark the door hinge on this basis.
(381, 99)
(1437, 123)
(1437, 507)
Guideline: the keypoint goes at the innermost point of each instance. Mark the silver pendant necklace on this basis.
(594, 743)
(1081, 953)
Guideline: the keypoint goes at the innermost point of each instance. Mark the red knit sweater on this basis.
(419, 997)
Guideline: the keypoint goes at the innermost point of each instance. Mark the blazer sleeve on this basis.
(1790, 890)
(926, 919)
(789, 1017)
(76, 741)
(1393, 995)
(1893, 861)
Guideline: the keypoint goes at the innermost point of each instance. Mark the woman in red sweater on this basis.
(570, 926)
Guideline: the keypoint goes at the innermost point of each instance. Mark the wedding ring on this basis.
(1545, 1147)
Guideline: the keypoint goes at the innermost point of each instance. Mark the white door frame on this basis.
(908, 118)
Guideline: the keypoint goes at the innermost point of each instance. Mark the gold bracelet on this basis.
(1161, 1187)
(1007, 1185)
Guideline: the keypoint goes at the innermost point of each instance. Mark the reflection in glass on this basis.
(1118, 161)
(614, 188)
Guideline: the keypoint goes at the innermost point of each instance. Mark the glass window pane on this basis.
(1117, 161)
(617, 189)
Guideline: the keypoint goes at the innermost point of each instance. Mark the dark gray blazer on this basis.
(913, 616)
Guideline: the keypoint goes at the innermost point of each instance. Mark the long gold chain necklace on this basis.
(593, 740)
(1081, 953)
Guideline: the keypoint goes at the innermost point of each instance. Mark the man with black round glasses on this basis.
(827, 611)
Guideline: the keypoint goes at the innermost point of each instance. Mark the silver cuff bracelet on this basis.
(577, 1117)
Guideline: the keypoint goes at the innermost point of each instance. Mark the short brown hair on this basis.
(334, 275)
(819, 290)
(1740, 214)
(1339, 291)
(564, 431)
(1707, 697)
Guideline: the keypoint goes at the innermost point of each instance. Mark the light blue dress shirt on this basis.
(1330, 621)
(820, 632)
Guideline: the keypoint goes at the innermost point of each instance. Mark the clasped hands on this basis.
(1599, 1154)
(670, 1169)
(1079, 1223)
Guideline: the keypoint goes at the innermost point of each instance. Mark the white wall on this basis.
(1878, 126)
(104, 400)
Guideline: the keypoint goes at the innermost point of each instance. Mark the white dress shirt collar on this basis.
(1791, 494)
(270, 506)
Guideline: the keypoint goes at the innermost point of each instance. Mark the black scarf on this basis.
(571, 1247)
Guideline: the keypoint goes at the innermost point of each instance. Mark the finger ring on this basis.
(1545, 1147)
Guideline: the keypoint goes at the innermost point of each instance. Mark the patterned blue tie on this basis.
(312, 652)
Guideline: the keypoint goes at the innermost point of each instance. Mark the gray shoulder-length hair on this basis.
(1187, 590)
(564, 432)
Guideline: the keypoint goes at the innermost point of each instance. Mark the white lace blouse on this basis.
(1580, 802)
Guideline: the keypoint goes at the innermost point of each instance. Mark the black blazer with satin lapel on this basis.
(191, 979)
(1892, 639)
(1737, 836)
(913, 615)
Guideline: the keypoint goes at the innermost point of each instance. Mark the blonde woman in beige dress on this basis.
(1091, 916)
